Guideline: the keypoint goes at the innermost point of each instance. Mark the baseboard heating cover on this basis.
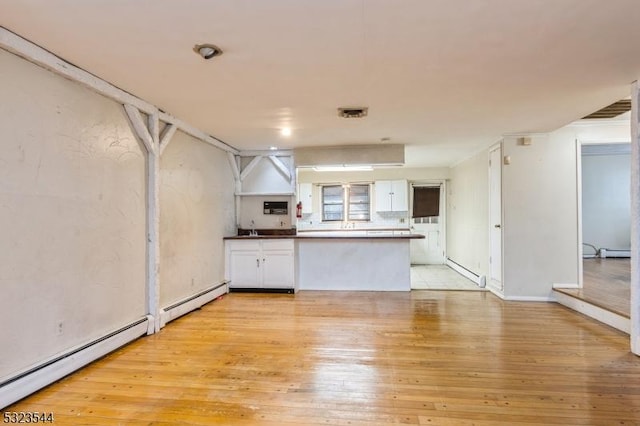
(481, 280)
(35, 378)
(605, 253)
(191, 303)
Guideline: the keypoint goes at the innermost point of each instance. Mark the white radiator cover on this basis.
(63, 364)
(191, 303)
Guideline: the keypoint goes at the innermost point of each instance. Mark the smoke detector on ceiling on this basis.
(353, 112)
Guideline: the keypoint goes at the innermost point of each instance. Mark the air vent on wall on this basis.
(613, 110)
(354, 112)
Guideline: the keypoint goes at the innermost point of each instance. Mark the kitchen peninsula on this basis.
(335, 260)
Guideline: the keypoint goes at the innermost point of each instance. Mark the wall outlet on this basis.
(59, 328)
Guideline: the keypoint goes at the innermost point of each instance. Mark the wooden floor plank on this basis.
(360, 358)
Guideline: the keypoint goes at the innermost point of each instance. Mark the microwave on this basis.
(276, 207)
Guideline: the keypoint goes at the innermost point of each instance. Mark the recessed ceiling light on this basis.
(285, 131)
(207, 51)
(273, 148)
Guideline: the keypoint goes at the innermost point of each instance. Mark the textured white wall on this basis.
(468, 214)
(196, 211)
(72, 216)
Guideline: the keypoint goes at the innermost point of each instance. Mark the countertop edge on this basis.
(327, 237)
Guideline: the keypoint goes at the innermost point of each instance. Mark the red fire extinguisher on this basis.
(299, 210)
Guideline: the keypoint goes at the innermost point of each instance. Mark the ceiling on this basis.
(445, 77)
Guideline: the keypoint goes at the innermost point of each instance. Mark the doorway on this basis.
(427, 218)
(605, 224)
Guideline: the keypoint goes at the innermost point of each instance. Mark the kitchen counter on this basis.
(373, 260)
(377, 235)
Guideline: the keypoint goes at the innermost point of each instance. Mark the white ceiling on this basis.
(444, 77)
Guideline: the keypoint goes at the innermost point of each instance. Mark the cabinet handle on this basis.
(258, 263)
(264, 260)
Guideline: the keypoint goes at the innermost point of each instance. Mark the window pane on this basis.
(426, 201)
(332, 202)
(359, 205)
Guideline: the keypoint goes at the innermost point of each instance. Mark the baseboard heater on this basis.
(191, 303)
(605, 253)
(480, 280)
(35, 378)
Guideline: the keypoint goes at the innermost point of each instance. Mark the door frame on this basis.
(579, 144)
(490, 283)
(442, 183)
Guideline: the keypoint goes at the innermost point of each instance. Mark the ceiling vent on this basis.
(613, 110)
(354, 112)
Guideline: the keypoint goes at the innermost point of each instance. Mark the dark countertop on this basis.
(332, 235)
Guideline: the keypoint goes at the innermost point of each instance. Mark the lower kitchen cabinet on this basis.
(260, 264)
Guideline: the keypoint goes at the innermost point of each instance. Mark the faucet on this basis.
(253, 232)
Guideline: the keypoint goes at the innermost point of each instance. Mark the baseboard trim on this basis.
(191, 303)
(35, 378)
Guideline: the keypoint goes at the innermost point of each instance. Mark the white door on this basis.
(495, 217)
(428, 251)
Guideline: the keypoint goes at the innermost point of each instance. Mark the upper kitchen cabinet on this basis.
(264, 173)
(392, 195)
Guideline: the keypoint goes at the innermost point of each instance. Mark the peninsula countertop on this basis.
(338, 235)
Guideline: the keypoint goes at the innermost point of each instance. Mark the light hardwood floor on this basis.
(360, 358)
(606, 283)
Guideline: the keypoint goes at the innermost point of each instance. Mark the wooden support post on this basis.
(149, 135)
(249, 168)
(635, 219)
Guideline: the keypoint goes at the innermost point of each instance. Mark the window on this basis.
(332, 203)
(359, 202)
(426, 202)
(346, 202)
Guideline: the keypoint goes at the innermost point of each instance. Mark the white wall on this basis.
(540, 207)
(539, 196)
(196, 212)
(468, 214)
(72, 216)
(606, 203)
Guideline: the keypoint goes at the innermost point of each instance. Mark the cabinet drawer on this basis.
(277, 244)
(235, 245)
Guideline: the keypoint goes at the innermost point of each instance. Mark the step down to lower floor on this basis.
(566, 297)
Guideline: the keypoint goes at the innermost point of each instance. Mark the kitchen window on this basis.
(346, 202)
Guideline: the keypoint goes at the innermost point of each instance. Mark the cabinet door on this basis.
(383, 195)
(400, 196)
(244, 268)
(305, 196)
(277, 268)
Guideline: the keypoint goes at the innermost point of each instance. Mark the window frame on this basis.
(348, 206)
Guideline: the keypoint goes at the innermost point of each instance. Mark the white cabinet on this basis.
(263, 263)
(392, 195)
(305, 196)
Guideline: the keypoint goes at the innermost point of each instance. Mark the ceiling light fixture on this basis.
(207, 51)
(285, 131)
